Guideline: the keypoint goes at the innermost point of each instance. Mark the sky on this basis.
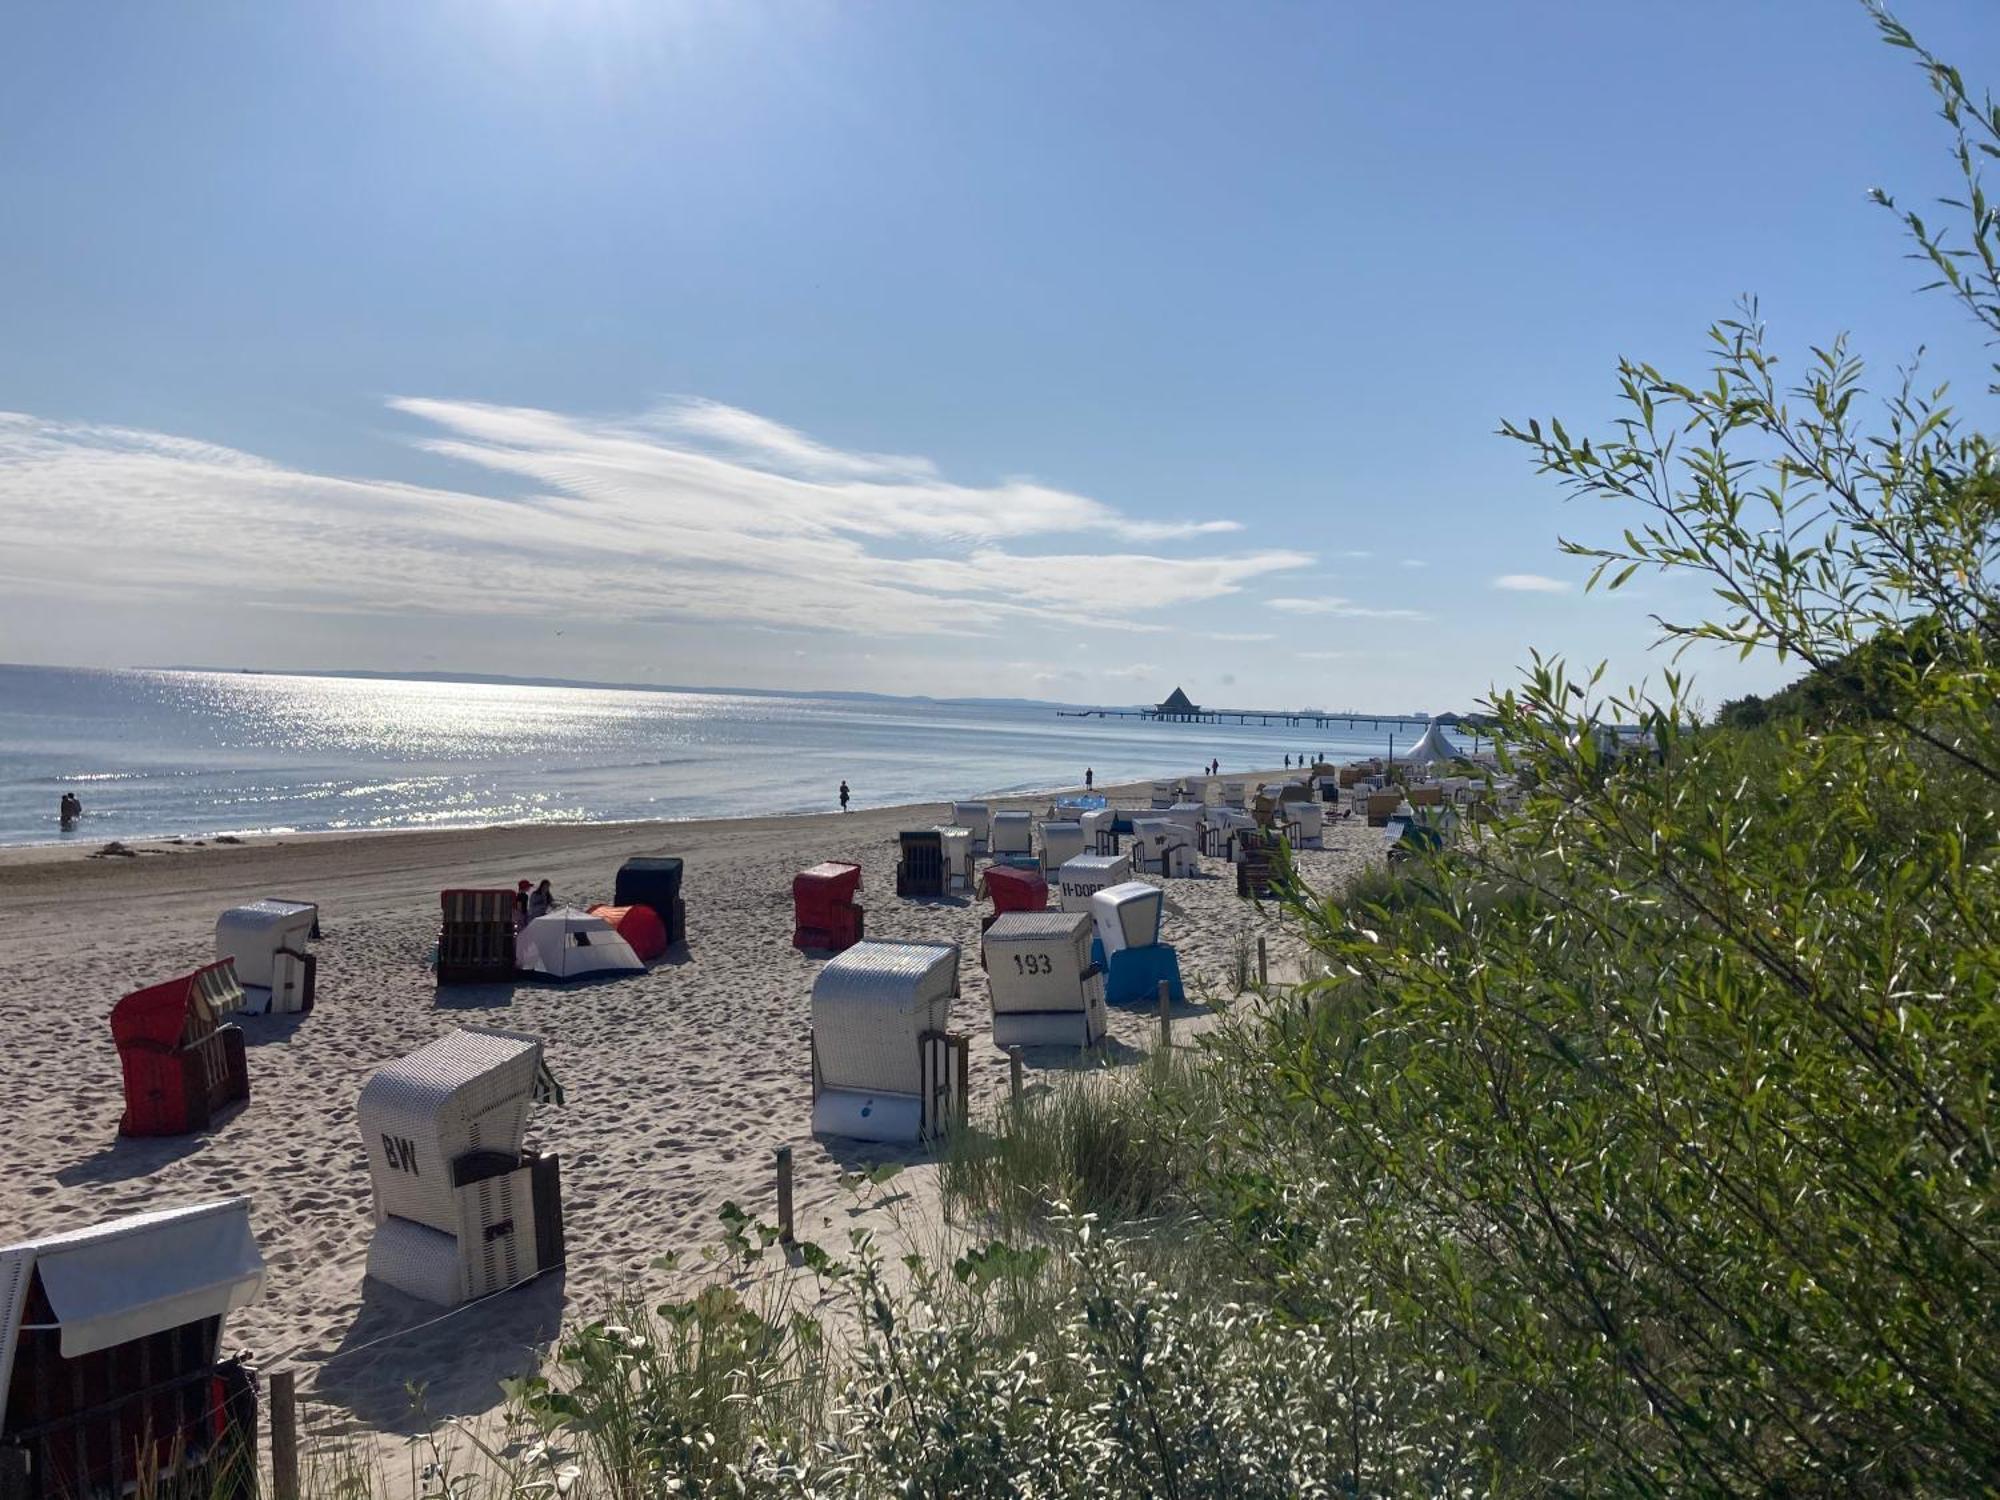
(1060, 350)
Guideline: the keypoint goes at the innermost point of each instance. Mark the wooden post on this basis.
(1166, 1017)
(284, 1435)
(1014, 1077)
(785, 1195)
(1263, 965)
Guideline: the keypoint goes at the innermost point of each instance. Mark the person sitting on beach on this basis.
(843, 794)
(541, 901)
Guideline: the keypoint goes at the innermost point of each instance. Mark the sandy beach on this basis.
(681, 1081)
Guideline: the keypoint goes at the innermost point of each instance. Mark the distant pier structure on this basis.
(1178, 708)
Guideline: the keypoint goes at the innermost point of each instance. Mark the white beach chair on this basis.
(267, 941)
(1061, 841)
(461, 1209)
(1045, 989)
(977, 817)
(884, 1065)
(1163, 847)
(1082, 877)
(1013, 833)
(957, 857)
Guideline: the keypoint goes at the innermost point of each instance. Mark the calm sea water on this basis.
(200, 753)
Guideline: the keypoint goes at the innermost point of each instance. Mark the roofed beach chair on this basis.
(654, 880)
(476, 937)
(461, 1209)
(1061, 840)
(1163, 847)
(1084, 876)
(885, 1065)
(1046, 989)
(267, 940)
(182, 1064)
(112, 1376)
(958, 861)
(920, 873)
(1128, 946)
(824, 912)
(1013, 833)
(1162, 795)
(977, 817)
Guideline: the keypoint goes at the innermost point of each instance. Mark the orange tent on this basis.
(638, 925)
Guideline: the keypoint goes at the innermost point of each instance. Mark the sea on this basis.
(155, 754)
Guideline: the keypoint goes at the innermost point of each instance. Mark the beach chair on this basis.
(1012, 833)
(1219, 835)
(824, 911)
(267, 940)
(1163, 796)
(1163, 847)
(1306, 824)
(885, 1066)
(1128, 947)
(1061, 840)
(920, 872)
(461, 1209)
(1100, 830)
(1084, 876)
(182, 1064)
(654, 880)
(476, 937)
(958, 861)
(1382, 805)
(977, 817)
(1046, 989)
(1012, 890)
(1257, 862)
(112, 1377)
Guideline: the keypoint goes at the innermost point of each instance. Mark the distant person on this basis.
(521, 888)
(71, 809)
(541, 901)
(1088, 778)
(843, 795)
(1288, 762)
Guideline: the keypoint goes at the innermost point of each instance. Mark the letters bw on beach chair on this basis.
(182, 1064)
(461, 1209)
(112, 1376)
(476, 937)
(885, 1066)
(920, 872)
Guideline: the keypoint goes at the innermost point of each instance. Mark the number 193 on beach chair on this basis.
(1046, 989)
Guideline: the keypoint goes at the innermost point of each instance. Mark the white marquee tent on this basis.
(1432, 748)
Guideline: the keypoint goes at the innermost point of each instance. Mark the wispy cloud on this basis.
(1245, 637)
(1332, 655)
(1530, 583)
(691, 511)
(1414, 562)
(1343, 608)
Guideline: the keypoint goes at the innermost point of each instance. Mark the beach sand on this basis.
(681, 1081)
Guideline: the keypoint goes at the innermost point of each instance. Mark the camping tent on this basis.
(638, 925)
(1432, 748)
(569, 944)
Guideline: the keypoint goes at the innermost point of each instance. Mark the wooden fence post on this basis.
(1263, 965)
(785, 1195)
(1166, 1017)
(1014, 1077)
(284, 1435)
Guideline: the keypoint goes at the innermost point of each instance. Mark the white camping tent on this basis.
(568, 944)
(1432, 748)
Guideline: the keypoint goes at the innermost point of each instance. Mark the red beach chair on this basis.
(824, 911)
(181, 1066)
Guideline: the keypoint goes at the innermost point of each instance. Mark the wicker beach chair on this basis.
(920, 873)
(885, 1066)
(476, 937)
(182, 1065)
(1046, 989)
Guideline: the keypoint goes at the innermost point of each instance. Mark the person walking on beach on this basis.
(843, 795)
(1088, 776)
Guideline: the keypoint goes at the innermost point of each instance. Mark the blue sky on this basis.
(1055, 349)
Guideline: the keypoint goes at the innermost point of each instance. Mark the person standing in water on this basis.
(843, 795)
(1088, 777)
(71, 809)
